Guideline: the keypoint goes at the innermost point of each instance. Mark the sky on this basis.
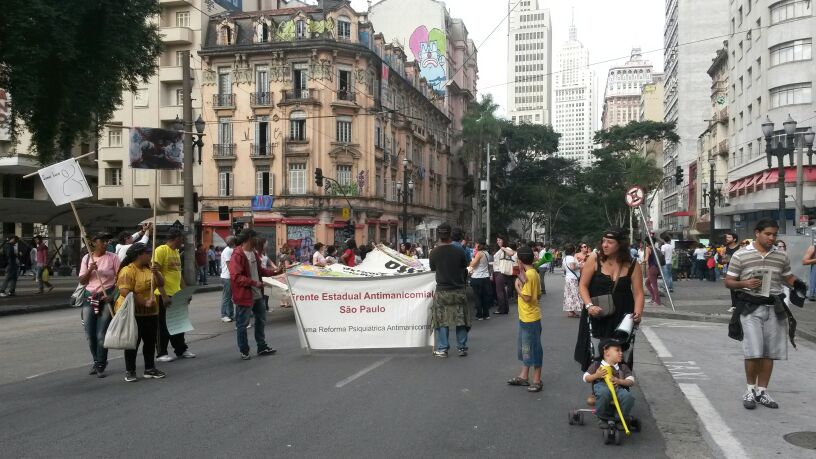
(608, 28)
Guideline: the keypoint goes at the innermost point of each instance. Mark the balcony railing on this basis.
(260, 99)
(224, 150)
(261, 150)
(722, 147)
(299, 95)
(223, 100)
(346, 95)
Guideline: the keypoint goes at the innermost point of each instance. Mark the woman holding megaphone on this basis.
(611, 287)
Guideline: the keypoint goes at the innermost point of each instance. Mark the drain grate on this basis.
(802, 439)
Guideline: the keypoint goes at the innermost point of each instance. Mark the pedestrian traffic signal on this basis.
(678, 176)
(318, 176)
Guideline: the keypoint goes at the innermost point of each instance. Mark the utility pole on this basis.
(187, 114)
(800, 192)
(487, 197)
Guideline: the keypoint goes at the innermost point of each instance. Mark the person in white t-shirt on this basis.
(699, 262)
(227, 308)
(318, 259)
(668, 254)
(126, 240)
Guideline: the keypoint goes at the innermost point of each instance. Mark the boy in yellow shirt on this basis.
(530, 352)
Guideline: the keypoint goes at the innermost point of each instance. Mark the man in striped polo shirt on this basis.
(761, 312)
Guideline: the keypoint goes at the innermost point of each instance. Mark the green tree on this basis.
(620, 165)
(66, 62)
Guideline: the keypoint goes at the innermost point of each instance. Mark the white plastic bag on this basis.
(122, 332)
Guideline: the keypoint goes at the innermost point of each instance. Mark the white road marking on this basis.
(657, 344)
(362, 372)
(713, 423)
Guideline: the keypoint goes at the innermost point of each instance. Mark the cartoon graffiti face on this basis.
(429, 53)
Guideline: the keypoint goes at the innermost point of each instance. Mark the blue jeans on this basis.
(10, 281)
(667, 276)
(530, 352)
(227, 308)
(605, 408)
(812, 284)
(95, 328)
(242, 316)
(202, 275)
(442, 338)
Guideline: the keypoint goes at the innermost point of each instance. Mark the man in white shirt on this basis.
(699, 261)
(668, 254)
(126, 240)
(227, 308)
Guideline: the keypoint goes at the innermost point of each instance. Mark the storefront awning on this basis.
(763, 179)
(93, 215)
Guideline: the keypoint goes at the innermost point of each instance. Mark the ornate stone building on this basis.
(287, 91)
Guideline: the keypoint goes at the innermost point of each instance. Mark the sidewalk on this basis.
(706, 301)
(27, 299)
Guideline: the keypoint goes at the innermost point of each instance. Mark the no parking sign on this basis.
(635, 196)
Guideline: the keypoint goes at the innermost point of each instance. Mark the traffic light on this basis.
(678, 176)
(318, 176)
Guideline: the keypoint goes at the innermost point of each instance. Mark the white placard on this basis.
(363, 313)
(65, 182)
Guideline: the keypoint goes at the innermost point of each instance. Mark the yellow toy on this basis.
(608, 379)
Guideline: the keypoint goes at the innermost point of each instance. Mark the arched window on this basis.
(263, 30)
(344, 28)
(300, 29)
(226, 33)
(297, 125)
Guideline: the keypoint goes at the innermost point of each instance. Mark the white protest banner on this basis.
(378, 261)
(363, 313)
(65, 182)
(178, 314)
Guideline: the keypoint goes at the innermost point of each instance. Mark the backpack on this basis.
(661, 259)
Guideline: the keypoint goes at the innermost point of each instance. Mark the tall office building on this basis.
(624, 85)
(575, 88)
(529, 63)
(688, 46)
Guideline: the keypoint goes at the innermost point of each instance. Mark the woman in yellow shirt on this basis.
(135, 275)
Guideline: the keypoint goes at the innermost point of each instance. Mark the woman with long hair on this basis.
(139, 276)
(97, 273)
(479, 269)
(572, 270)
(611, 271)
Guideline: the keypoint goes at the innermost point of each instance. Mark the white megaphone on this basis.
(624, 331)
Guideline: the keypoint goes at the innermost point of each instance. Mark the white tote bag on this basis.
(122, 332)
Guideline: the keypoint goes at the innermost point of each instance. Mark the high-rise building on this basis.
(651, 109)
(770, 75)
(529, 63)
(689, 27)
(575, 88)
(624, 85)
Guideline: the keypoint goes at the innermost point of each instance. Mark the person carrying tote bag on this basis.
(138, 304)
(503, 259)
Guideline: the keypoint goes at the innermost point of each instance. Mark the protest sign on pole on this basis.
(364, 312)
(178, 316)
(65, 182)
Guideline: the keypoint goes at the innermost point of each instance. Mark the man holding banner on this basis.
(450, 300)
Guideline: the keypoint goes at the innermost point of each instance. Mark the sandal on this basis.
(518, 382)
(535, 387)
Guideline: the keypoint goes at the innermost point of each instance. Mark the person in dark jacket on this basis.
(246, 272)
(12, 266)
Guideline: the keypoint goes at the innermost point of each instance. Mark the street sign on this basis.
(346, 213)
(635, 196)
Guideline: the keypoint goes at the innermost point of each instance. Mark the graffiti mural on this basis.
(429, 48)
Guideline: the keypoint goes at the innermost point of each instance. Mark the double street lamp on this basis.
(404, 195)
(780, 148)
(712, 190)
(198, 137)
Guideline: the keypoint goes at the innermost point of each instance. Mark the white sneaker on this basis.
(226, 319)
(188, 355)
(165, 358)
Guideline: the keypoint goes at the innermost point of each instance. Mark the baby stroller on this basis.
(613, 429)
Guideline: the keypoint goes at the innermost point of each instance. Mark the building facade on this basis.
(529, 63)
(288, 91)
(687, 33)
(770, 76)
(575, 90)
(651, 109)
(441, 46)
(624, 85)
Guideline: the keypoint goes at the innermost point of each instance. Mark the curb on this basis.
(18, 310)
(806, 335)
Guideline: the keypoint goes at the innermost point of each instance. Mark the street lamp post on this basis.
(780, 149)
(405, 195)
(713, 192)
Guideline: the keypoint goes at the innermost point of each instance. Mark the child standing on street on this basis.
(530, 352)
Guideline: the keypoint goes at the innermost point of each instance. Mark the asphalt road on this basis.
(332, 404)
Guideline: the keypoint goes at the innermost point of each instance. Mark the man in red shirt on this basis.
(201, 264)
(246, 272)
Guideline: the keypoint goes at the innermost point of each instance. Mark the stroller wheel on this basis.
(606, 436)
(634, 424)
(571, 417)
(618, 435)
(581, 418)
